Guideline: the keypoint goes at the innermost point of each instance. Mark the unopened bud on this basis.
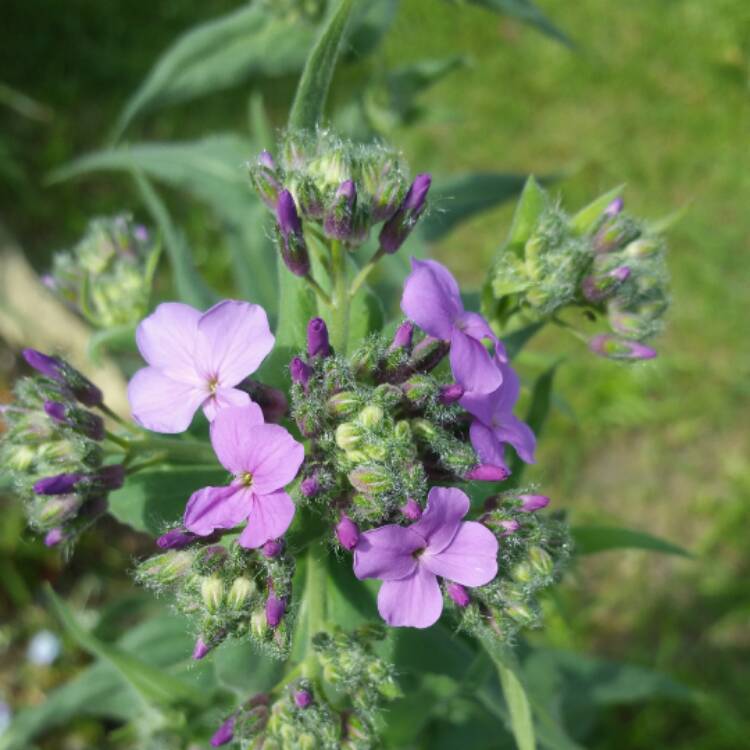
(167, 568)
(402, 430)
(411, 510)
(339, 218)
(272, 548)
(60, 371)
(303, 698)
(419, 388)
(614, 233)
(265, 178)
(615, 207)
(291, 237)
(224, 734)
(176, 539)
(541, 561)
(317, 338)
(428, 354)
(212, 593)
(348, 436)
(300, 372)
(58, 509)
(275, 609)
(201, 649)
(54, 537)
(451, 393)
(596, 288)
(487, 473)
(370, 416)
(258, 623)
(399, 226)
(520, 613)
(509, 526)
(643, 248)
(614, 348)
(110, 477)
(60, 484)
(309, 486)
(347, 532)
(531, 503)
(343, 403)
(522, 573)
(370, 480)
(402, 339)
(240, 592)
(458, 594)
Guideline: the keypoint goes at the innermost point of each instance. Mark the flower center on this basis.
(418, 553)
(247, 479)
(213, 384)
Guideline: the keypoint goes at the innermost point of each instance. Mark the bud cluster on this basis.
(52, 449)
(107, 276)
(341, 190)
(603, 261)
(534, 550)
(383, 429)
(227, 591)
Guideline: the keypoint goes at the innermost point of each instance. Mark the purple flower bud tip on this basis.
(55, 410)
(610, 346)
(348, 190)
(614, 207)
(403, 336)
(224, 734)
(310, 486)
(141, 233)
(266, 160)
(488, 473)
(621, 273)
(49, 366)
(411, 510)
(286, 214)
(303, 698)
(275, 609)
(272, 548)
(510, 527)
(111, 477)
(201, 649)
(300, 372)
(415, 198)
(531, 503)
(317, 338)
(449, 394)
(175, 539)
(347, 532)
(459, 594)
(54, 537)
(59, 484)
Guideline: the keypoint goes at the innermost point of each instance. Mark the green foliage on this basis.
(592, 539)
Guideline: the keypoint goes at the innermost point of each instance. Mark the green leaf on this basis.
(246, 43)
(460, 198)
(240, 667)
(154, 685)
(312, 91)
(369, 26)
(592, 539)
(587, 217)
(527, 12)
(189, 284)
(532, 202)
(152, 500)
(514, 342)
(118, 339)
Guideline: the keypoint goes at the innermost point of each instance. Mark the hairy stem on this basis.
(340, 299)
(365, 271)
(315, 603)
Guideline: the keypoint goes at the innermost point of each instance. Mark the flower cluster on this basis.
(602, 261)
(52, 448)
(301, 716)
(107, 276)
(339, 188)
(226, 591)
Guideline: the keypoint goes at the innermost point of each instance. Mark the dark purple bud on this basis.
(403, 337)
(531, 503)
(510, 526)
(300, 372)
(291, 237)
(201, 649)
(488, 473)
(399, 226)
(57, 485)
(266, 160)
(54, 537)
(224, 734)
(310, 486)
(317, 338)
(347, 532)
(111, 477)
(266, 179)
(303, 698)
(175, 539)
(411, 510)
(275, 609)
(339, 218)
(606, 345)
(614, 207)
(459, 594)
(272, 548)
(44, 364)
(449, 394)
(598, 288)
(56, 410)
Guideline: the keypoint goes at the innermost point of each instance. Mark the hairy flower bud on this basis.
(370, 416)
(487, 473)
(212, 592)
(291, 238)
(450, 393)
(317, 339)
(303, 698)
(532, 503)
(165, 569)
(265, 178)
(80, 420)
(309, 486)
(596, 288)
(275, 609)
(339, 218)
(399, 226)
(61, 372)
(60, 484)
(458, 594)
(201, 649)
(176, 539)
(300, 372)
(411, 510)
(224, 734)
(347, 532)
(54, 537)
(370, 480)
(240, 592)
(348, 436)
(615, 348)
(273, 548)
(343, 403)
(402, 339)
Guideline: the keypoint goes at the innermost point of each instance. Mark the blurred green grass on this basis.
(657, 95)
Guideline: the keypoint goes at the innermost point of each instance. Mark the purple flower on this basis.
(487, 473)
(224, 734)
(409, 559)
(495, 424)
(263, 459)
(432, 300)
(200, 649)
(399, 226)
(196, 359)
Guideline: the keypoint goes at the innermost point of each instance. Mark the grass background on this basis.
(657, 95)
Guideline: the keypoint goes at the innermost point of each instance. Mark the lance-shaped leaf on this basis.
(586, 218)
(592, 539)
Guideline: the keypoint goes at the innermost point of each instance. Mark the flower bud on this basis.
(522, 573)
(615, 348)
(458, 594)
(531, 503)
(300, 372)
(399, 226)
(596, 288)
(615, 207)
(541, 561)
(201, 649)
(402, 339)
(275, 609)
(309, 486)
(509, 526)
(58, 509)
(265, 179)
(165, 569)
(61, 372)
(487, 473)
(110, 477)
(411, 510)
(54, 537)
(240, 592)
(291, 238)
(520, 613)
(370, 416)
(303, 698)
(347, 532)
(175, 539)
(60, 484)
(343, 403)
(370, 480)
(428, 354)
(82, 421)
(212, 593)
(339, 218)
(317, 339)
(258, 623)
(616, 232)
(645, 247)
(348, 436)
(451, 393)
(224, 734)
(272, 548)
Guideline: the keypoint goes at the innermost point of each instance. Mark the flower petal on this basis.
(234, 338)
(217, 508)
(387, 552)
(446, 506)
(270, 517)
(414, 602)
(518, 434)
(273, 458)
(472, 365)
(431, 298)
(486, 444)
(224, 398)
(232, 435)
(162, 404)
(166, 340)
(470, 559)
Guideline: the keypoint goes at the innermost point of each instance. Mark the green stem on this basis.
(117, 418)
(319, 291)
(340, 298)
(175, 451)
(117, 440)
(365, 271)
(315, 603)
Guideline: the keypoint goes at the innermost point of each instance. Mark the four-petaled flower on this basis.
(409, 559)
(432, 300)
(494, 423)
(195, 359)
(263, 458)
